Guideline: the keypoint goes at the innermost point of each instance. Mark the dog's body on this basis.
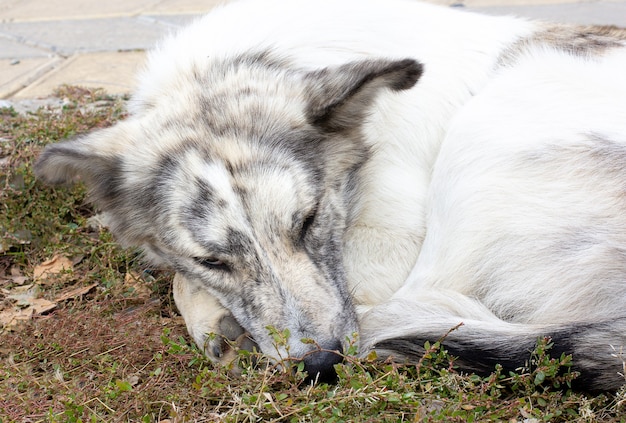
(283, 157)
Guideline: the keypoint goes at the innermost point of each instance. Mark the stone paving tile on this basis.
(91, 35)
(16, 76)
(601, 13)
(115, 72)
(507, 3)
(168, 7)
(47, 10)
(173, 21)
(10, 49)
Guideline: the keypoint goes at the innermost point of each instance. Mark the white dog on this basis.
(383, 167)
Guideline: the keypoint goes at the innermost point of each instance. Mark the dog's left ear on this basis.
(340, 97)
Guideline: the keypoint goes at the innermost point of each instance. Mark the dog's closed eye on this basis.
(212, 263)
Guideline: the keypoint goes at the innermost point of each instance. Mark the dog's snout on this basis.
(320, 364)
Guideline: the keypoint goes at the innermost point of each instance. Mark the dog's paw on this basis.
(222, 345)
(212, 327)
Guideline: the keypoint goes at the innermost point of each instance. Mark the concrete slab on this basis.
(599, 13)
(48, 10)
(507, 3)
(115, 72)
(10, 49)
(179, 7)
(17, 75)
(91, 35)
(172, 21)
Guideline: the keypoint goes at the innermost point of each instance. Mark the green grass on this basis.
(118, 350)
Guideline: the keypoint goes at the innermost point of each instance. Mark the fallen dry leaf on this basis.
(73, 293)
(41, 306)
(12, 317)
(27, 304)
(139, 287)
(15, 276)
(19, 280)
(54, 266)
(23, 295)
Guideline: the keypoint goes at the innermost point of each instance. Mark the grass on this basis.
(113, 347)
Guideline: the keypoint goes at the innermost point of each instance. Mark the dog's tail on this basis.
(598, 349)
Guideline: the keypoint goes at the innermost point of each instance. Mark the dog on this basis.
(384, 168)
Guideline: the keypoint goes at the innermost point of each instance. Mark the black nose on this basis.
(320, 365)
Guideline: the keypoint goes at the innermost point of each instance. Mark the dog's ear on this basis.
(94, 159)
(340, 97)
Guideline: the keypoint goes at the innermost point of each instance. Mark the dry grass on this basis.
(113, 347)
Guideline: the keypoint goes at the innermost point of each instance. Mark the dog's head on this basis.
(241, 176)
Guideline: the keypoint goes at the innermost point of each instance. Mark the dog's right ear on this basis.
(94, 159)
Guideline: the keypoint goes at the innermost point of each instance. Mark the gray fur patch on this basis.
(586, 41)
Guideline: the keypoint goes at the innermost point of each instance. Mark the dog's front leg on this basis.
(212, 327)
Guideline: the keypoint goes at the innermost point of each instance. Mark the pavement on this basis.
(102, 44)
